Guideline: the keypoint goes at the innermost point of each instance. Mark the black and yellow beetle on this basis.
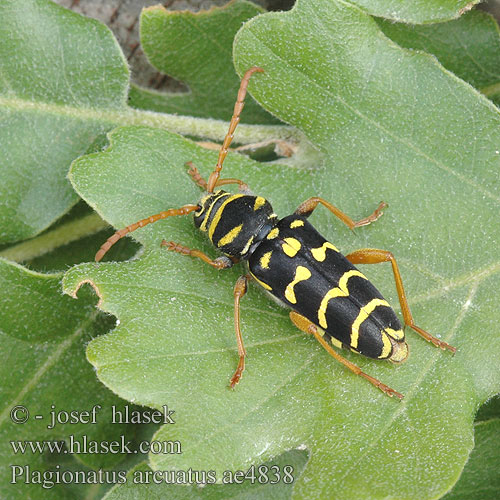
(329, 297)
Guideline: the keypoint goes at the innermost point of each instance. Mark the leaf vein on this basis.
(47, 365)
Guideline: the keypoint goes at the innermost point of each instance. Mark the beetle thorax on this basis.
(234, 223)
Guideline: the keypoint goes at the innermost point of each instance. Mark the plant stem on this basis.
(55, 238)
(184, 125)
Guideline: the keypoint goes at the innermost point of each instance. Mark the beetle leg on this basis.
(307, 207)
(242, 187)
(307, 326)
(200, 181)
(221, 262)
(240, 288)
(195, 175)
(375, 256)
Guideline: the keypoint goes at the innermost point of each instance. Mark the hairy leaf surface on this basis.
(392, 124)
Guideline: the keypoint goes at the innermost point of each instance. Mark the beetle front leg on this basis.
(201, 182)
(221, 262)
(307, 207)
(240, 289)
(195, 175)
(375, 256)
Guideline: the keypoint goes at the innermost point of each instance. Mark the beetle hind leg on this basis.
(307, 326)
(376, 256)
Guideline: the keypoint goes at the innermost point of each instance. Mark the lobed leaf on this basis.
(480, 478)
(61, 74)
(64, 84)
(423, 144)
(140, 482)
(44, 335)
(468, 46)
(416, 11)
(196, 48)
(385, 134)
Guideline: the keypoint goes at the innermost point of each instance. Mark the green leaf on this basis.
(480, 478)
(416, 11)
(468, 46)
(61, 74)
(197, 49)
(63, 84)
(74, 238)
(140, 483)
(490, 410)
(81, 250)
(393, 125)
(44, 368)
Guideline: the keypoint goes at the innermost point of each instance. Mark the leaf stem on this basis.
(184, 125)
(212, 129)
(62, 235)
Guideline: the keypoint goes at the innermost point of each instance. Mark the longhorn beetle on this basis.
(328, 297)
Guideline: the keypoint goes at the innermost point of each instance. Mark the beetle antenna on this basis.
(238, 107)
(186, 209)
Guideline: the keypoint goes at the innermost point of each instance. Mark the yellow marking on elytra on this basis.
(395, 334)
(203, 226)
(261, 283)
(339, 291)
(264, 260)
(291, 246)
(387, 346)
(259, 201)
(247, 246)
(230, 236)
(363, 314)
(335, 342)
(218, 214)
(301, 274)
(273, 233)
(321, 331)
(320, 253)
(296, 223)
